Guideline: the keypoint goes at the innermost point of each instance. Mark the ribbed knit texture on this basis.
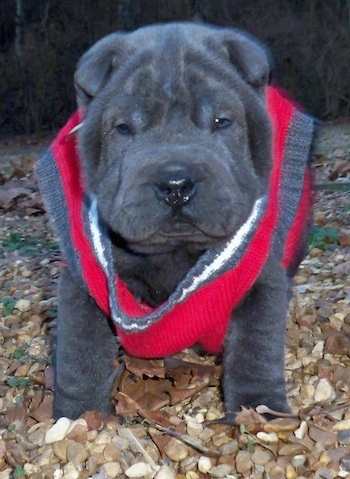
(202, 314)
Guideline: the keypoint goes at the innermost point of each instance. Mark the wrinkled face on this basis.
(176, 138)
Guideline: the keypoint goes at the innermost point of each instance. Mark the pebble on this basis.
(345, 463)
(261, 457)
(23, 305)
(165, 472)
(332, 455)
(121, 443)
(344, 437)
(230, 447)
(91, 435)
(307, 391)
(95, 448)
(111, 469)
(94, 461)
(57, 431)
(291, 473)
(222, 470)
(139, 469)
(243, 461)
(325, 437)
(29, 468)
(72, 470)
(324, 473)
(298, 461)
(342, 425)
(188, 464)
(268, 437)
(6, 474)
(317, 351)
(37, 437)
(206, 435)
(103, 438)
(281, 425)
(324, 391)
(78, 431)
(191, 475)
(199, 418)
(291, 449)
(47, 457)
(60, 449)
(194, 429)
(212, 414)
(259, 472)
(176, 450)
(301, 431)
(111, 452)
(220, 439)
(204, 464)
(76, 452)
(338, 343)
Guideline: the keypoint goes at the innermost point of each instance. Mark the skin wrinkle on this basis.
(227, 165)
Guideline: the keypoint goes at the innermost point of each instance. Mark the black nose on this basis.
(176, 190)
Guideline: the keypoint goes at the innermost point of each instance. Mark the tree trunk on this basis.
(19, 40)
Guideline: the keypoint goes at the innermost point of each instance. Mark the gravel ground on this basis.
(162, 424)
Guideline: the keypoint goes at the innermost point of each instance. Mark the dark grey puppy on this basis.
(175, 147)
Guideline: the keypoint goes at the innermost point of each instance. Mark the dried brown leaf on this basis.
(16, 416)
(44, 411)
(151, 402)
(9, 193)
(160, 439)
(178, 395)
(126, 406)
(148, 367)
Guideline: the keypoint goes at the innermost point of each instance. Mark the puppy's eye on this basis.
(124, 129)
(222, 122)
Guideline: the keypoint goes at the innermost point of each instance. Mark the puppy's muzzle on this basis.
(176, 184)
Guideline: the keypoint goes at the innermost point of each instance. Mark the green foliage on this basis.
(18, 472)
(12, 242)
(323, 237)
(19, 383)
(22, 354)
(8, 304)
(52, 313)
(26, 245)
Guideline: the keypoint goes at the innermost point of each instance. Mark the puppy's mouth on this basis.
(171, 236)
(179, 228)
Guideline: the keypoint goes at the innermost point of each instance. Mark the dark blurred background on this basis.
(41, 41)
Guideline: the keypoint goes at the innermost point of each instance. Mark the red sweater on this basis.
(200, 308)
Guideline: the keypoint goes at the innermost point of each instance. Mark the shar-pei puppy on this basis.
(180, 194)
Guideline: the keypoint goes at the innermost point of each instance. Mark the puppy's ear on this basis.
(251, 58)
(95, 67)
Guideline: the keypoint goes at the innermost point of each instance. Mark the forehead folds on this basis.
(168, 70)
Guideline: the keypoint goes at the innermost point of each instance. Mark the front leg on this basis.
(254, 346)
(83, 354)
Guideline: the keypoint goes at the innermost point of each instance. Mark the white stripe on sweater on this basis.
(96, 234)
(229, 249)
